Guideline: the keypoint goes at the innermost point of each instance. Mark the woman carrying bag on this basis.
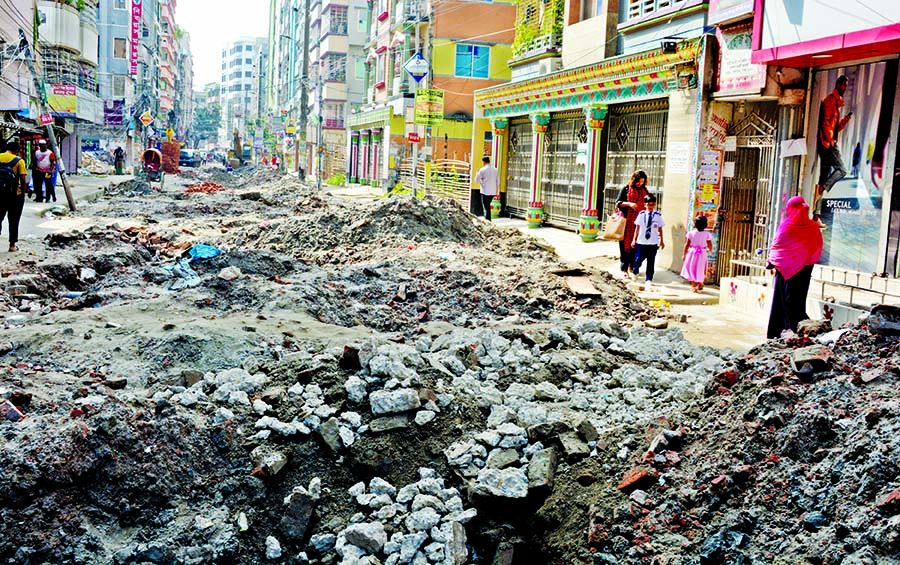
(629, 203)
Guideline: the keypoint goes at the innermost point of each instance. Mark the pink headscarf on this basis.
(798, 242)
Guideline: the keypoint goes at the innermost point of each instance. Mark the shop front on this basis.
(374, 145)
(572, 138)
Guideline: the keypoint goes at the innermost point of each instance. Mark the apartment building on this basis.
(466, 45)
(240, 90)
(184, 87)
(168, 63)
(338, 31)
(16, 85)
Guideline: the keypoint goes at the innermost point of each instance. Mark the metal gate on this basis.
(518, 168)
(563, 181)
(746, 199)
(637, 140)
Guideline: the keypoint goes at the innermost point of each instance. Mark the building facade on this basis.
(16, 84)
(466, 45)
(240, 91)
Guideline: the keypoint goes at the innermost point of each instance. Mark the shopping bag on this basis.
(614, 229)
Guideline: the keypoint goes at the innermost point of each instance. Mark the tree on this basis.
(207, 118)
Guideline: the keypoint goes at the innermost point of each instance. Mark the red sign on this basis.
(136, 13)
(46, 119)
(414, 137)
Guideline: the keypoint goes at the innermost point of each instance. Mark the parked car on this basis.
(188, 158)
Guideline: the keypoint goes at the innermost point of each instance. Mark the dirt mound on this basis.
(131, 187)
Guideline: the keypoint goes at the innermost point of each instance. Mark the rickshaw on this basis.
(152, 167)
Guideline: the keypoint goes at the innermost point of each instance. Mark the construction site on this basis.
(238, 368)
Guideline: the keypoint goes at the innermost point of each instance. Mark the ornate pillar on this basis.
(376, 155)
(540, 123)
(354, 156)
(594, 117)
(364, 156)
(499, 125)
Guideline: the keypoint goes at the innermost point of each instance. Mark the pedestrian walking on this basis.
(648, 238)
(488, 178)
(119, 159)
(12, 190)
(630, 203)
(695, 256)
(42, 174)
(275, 161)
(796, 248)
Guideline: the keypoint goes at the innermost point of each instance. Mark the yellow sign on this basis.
(290, 128)
(708, 192)
(429, 107)
(146, 119)
(63, 100)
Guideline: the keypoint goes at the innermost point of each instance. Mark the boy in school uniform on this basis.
(648, 237)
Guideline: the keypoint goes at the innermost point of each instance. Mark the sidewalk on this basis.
(707, 324)
(35, 223)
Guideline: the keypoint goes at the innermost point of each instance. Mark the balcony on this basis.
(60, 25)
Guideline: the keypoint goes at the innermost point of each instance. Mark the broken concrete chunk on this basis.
(542, 470)
(884, 319)
(422, 520)
(501, 458)
(330, 431)
(296, 516)
(547, 430)
(573, 448)
(504, 483)
(268, 460)
(394, 401)
(388, 423)
(811, 359)
(369, 535)
(424, 416)
(635, 478)
(587, 430)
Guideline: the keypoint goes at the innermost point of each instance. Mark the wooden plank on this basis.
(582, 286)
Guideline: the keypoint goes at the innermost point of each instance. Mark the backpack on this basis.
(9, 181)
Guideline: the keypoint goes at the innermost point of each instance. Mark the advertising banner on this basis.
(114, 112)
(63, 100)
(721, 11)
(429, 107)
(851, 207)
(258, 138)
(736, 72)
(137, 10)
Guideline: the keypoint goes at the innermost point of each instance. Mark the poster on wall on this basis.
(851, 204)
(736, 71)
(137, 11)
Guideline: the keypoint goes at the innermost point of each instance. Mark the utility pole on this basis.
(321, 148)
(45, 109)
(304, 78)
(415, 148)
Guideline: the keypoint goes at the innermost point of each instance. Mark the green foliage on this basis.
(336, 180)
(80, 5)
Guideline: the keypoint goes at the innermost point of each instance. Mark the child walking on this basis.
(694, 256)
(648, 237)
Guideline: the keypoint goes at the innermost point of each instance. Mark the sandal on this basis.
(13, 248)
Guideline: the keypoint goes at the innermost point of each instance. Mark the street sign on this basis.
(429, 109)
(146, 119)
(46, 119)
(413, 137)
(416, 66)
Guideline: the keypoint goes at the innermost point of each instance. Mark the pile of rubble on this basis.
(397, 382)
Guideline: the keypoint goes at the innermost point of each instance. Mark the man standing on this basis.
(12, 190)
(831, 166)
(489, 179)
(119, 157)
(44, 165)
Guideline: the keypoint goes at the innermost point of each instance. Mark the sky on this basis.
(214, 23)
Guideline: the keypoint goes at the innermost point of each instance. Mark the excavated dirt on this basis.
(394, 381)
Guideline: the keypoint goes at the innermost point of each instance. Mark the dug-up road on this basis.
(239, 369)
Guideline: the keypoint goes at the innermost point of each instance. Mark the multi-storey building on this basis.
(146, 72)
(466, 45)
(241, 87)
(68, 46)
(184, 87)
(336, 79)
(168, 63)
(17, 101)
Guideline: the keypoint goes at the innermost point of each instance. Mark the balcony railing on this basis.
(538, 45)
(640, 8)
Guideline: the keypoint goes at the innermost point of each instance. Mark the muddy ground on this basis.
(394, 381)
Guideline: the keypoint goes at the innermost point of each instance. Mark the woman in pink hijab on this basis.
(796, 248)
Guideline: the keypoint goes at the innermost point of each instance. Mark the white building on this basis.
(240, 86)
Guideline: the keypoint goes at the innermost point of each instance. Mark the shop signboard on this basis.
(63, 100)
(429, 107)
(736, 71)
(722, 11)
(136, 15)
(852, 209)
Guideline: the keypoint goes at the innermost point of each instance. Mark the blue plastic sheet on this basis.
(203, 251)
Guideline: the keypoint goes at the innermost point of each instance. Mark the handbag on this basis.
(614, 228)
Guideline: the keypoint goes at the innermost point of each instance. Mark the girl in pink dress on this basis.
(694, 257)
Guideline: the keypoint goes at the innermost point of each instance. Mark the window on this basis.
(472, 60)
(248, 48)
(120, 48)
(360, 66)
(639, 8)
(379, 69)
(120, 5)
(248, 61)
(334, 67)
(361, 20)
(118, 86)
(247, 87)
(338, 20)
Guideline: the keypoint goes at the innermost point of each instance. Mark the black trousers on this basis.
(648, 253)
(43, 186)
(11, 207)
(789, 302)
(626, 258)
(486, 200)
